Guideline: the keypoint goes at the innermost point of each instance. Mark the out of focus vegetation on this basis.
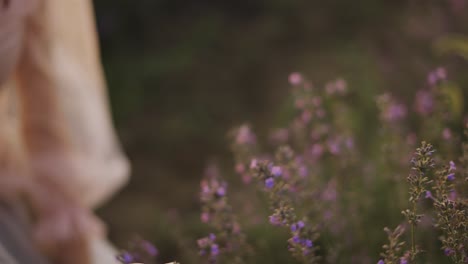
(182, 73)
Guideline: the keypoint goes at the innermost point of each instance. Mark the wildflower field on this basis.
(290, 131)
(314, 188)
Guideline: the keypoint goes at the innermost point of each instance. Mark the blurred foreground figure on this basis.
(59, 157)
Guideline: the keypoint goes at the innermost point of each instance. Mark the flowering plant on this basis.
(330, 188)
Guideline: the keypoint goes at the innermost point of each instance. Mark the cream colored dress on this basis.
(54, 114)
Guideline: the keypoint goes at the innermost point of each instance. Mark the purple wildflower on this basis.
(296, 239)
(403, 261)
(245, 136)
(306, 116)
(214, 249)
(441, 73)
(452, 166)
(295, 78)
(448, 251)
(316, 150)
(381, 262)
(294, 227)
(253, 163)
(205, 217)
(303, 171)
(125, 257)
(334, 147)
(428, 195)
(431, 78)
(269, 183)
(340, 86)
(276, 171)
(424, 102)
(221, 191)
(212, 237)
(300, 224)
(436, 76)
(203, 242)
(274, 220)
(395, 112)
(149, 248)
(308, 243)
(240, 168)
(451, 176)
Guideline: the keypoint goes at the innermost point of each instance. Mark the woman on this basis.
(59, 157)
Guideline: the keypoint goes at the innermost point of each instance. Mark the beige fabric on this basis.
(71, 59)
(57, 142)
(12, 15)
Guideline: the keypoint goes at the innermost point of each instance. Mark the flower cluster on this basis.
(436, 76)
(217, 212)
(321, 176)
(209, 247)
(303, 235)
(452, 214)
(139, 251)
(450, 209)
(418, 179)
(391, 110)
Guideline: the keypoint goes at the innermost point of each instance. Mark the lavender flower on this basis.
(269, 183)
(253, 163)
(424, 102)
(395, 112)
(214, 249)
(295, 78)
(303, 171)
(205, 217)
(125, 257)
(296, 239)
(274, 220)
(300, 224)
(428, 195)
(149, 248)
(391, 110)
(436, 76)
(217, 212)
(276, 171)
(306, 116)
(221, 191)
(449, 251)
(212, 237)
(240, 168)
(452, 166)
(140, 251)
(451, 177)
(245, 136)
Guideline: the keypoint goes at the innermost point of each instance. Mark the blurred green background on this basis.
(182, 73)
